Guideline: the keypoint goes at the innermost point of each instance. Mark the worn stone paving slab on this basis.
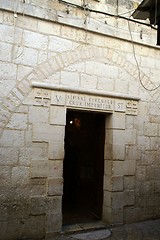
(149, 230)
(93, 235)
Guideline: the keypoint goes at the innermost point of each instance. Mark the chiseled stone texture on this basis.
(32, 141)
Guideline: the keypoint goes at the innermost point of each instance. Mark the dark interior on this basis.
(83, 167)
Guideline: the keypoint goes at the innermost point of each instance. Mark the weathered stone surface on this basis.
(32, 143)
(20, 176)
(124, 167)
(57, 115)
(68, 78)
(42, 168)
(5, 52)
(25, 56)
(53, 223)
(38, 114)
(35, 40)
(18, 121)
(55, 186)
(8, 156)
(58, 44)
(56, 150)
(8, 71)
(12, 138)
(46, 132)
(118, 152)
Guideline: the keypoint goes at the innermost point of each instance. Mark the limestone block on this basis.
(58, 44)
(56, 150)
(58, 115)
(77, 67)
(55, 186)
(35, 40)
(133, 214)
(117, 200)
(25, 56)
(143, 141)
(40, 168)
(129, 182)
(107, 198)
(8, 71)
(18, 121)
(12, 138)
(48, 27)
(25, 155)
(153, 109)
(152, 172)
(6, 87)
(141, 172)
(129, 198)
(113, 215)
(22, 109)
(108, 151)
(5, 52)
(108, 136)
(108, 167)
(23, 71)
(58, 98)
(6, 33)
(38, 114)
(121, 86)
(107, 183)
(124, 167)
(105, 84)
(131, 152)
(5, 176)
(20, 175)
(37, 187)
(119, 137)
(157, 64)
(117, 183)
(31, 227)
(20, 96)
(147, 62)
(37, 205)
(130, 136)
(53, 205)
(53, 223)
(119, 152)
(28, 136)
(68, 32)
(150, 129)
(88, 81)
(19, 208)
(42, 56)
(47, 133)
(40, 151)
(70, 78)
(54, 79)
(8, 156)
(101, 69)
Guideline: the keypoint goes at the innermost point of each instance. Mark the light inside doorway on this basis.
(83, 167)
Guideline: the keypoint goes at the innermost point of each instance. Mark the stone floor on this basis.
(149, 230)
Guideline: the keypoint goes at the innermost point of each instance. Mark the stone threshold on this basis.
(83, 227)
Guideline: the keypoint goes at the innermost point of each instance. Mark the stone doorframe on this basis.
(116, 106)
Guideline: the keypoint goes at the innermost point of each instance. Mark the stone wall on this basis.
(40, 57)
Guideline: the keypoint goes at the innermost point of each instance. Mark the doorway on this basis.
(83, 167)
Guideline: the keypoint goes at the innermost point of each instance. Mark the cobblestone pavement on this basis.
(149, 230)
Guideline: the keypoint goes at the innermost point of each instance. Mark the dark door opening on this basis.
(83, 167)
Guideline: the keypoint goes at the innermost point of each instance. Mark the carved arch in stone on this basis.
(42, 71)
